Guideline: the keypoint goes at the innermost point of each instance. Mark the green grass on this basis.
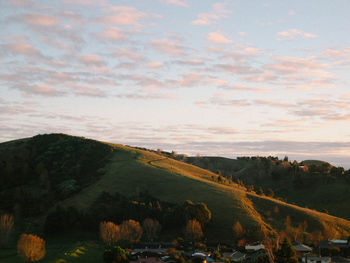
(132, 170)
(61, 251)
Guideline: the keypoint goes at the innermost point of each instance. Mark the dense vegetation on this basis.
(118, 208)
(40, 171)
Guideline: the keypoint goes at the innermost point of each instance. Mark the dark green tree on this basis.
(260, 191)
(286, 254)
(270, 192)
(115, 255)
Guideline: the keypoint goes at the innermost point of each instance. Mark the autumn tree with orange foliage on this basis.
(31, 247)
(109, 233)
(239, 233)
(193, 230)
(6, 225)
(131, 231)
(151, 228)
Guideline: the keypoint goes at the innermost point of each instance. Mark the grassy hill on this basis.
(129, 171)
(323, 186)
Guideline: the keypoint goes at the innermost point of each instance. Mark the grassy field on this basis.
(61, 251)
(132, 170)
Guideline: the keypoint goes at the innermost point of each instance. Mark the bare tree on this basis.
(109, 233)
(31, 247)
(131, 231)
(151, 228)
(193, 230)
(6, 225)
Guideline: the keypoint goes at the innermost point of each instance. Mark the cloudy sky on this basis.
(227, 78)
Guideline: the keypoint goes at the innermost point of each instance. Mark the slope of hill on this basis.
(128, 171)
(323, 186)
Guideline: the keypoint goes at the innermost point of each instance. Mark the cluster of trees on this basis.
(130, 231)
(118, 208)
(30, 247)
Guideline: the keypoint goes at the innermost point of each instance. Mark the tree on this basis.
(260, 191)
(115, 255)
(286, 254)
(109, 233)
(193, 230)
(270, 192)
(151, 228)
(199, 212)
(6, 225)
(238, 230)
(31, 247)
(131, 231)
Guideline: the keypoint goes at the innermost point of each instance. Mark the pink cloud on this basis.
(219, 11)
(20, 47)
(155, 64)
(41, 90)
(85, 2)
(113, 34)
(189, 79)
(122, 15)
(292, 34)
(245, 88)
(92, 59)
(40, 20)
(218, 38)
(21, 3)
(127, 53)
(167, 46)
(89, 91)
(175, 2)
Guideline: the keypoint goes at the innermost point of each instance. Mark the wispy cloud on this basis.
(122, 15)
(168, 46)
(175, 2)
(218, 38)
(219, 11)
(292, 34)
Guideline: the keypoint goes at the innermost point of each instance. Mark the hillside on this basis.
(129, 171)
(322, 186)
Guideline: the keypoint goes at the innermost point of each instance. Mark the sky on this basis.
(228, 78)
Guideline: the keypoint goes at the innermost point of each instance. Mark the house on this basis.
(310, 259)
(234, 256)
(326, 245)
(301, 249)
(254, 247)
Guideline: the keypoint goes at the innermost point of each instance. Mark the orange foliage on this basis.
(109, 233)
(131, 231)
(6, 225)
(31, 247)
(193, 230)
(238, 230)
